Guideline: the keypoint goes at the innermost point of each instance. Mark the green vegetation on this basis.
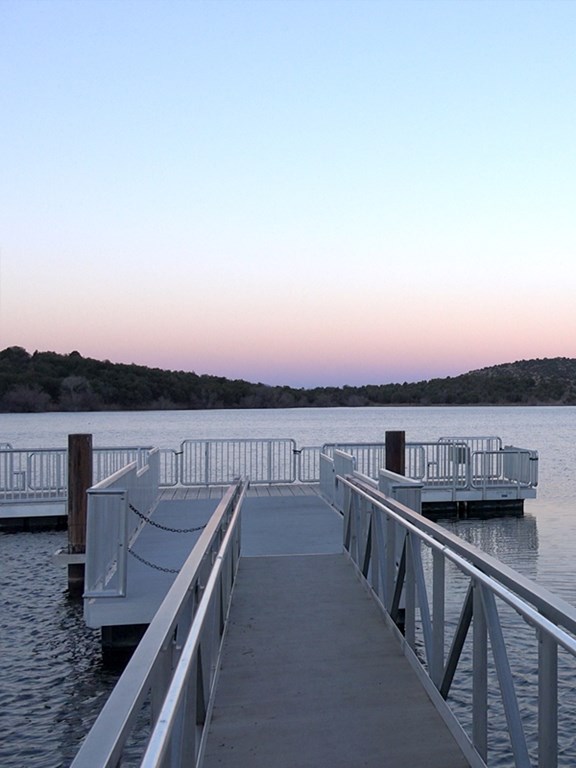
(46, 381)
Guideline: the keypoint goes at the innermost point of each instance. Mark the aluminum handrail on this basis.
(384, 539)
(213, 462)
(149, 671)
(176, 705)
(41, 474)
(34, 474)
(556, 609)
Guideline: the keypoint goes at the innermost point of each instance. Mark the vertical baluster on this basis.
(422, 597)
(505, 680)
(410, 594)
(206, 462)
(479, 675)
(390, 564)
(547, 701)
(438, 618)
(375, 547)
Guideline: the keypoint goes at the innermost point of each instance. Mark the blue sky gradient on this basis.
(298, 192)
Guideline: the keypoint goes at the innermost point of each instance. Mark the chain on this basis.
(152, 565)
(165, 527)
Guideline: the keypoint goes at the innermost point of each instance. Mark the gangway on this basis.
(299, 632)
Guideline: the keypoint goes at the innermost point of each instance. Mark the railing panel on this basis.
(169, 467)
(106, 535)
(218, 462)
(520, 466)
(176, 661)
(106, 461)
(369, 457)
(33, 475)
(459, 464)
(438, 464)
(47, 471)
(327, 477)
(309, 468)
(110, 527)
(344, 464)
(482, 676)
(511, 465)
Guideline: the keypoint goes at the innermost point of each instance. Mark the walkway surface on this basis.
(157, 554)
(311, 676)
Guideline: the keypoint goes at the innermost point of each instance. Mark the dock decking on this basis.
(165, 551)
(311, 676)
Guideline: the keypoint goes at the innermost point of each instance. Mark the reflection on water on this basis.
(513, 540)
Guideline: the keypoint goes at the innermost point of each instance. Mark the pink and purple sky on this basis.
(301, 192)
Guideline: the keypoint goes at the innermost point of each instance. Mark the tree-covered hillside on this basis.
(45, 381)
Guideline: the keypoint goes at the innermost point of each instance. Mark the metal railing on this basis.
(111, 526)
(368, 457)
(439, 464)
(475, 442)
(435, 588)
(171, 674)
(457, 464)
(42, 474)
(216, 462)
(508, 465)
(37, 474)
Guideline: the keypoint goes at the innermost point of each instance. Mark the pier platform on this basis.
(157, 554)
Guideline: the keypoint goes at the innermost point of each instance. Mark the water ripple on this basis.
(54, 684)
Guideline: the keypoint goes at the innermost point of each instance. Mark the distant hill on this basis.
(47, 381)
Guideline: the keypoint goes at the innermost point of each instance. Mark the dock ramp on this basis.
(296, 634)
(311, 676)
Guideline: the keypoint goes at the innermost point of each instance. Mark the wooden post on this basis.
(395, 452)
(79, 480)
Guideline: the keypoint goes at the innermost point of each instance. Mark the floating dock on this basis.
(462, 476)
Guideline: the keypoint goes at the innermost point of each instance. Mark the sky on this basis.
(295, 192)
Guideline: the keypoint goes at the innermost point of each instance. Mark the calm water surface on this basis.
(53, 684)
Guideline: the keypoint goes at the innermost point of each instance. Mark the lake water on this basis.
(53, 683)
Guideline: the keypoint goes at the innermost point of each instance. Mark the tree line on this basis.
(47, 381)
